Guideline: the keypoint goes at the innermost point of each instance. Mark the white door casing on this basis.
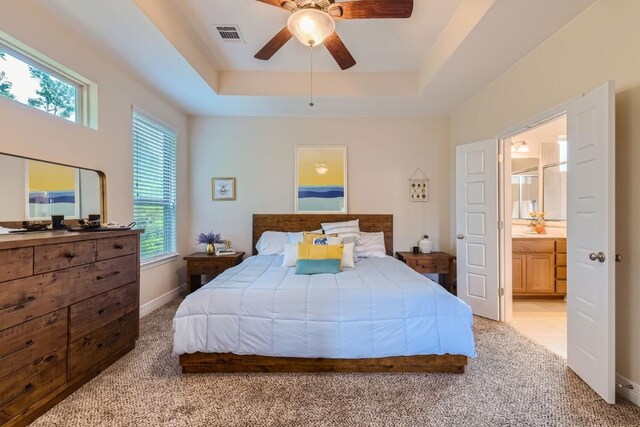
(477, 226)
(590, 237)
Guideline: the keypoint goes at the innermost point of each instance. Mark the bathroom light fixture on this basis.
(321, 168)
(519, 147)
(311, 26)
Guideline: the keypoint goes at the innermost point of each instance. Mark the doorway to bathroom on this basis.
(538, 222)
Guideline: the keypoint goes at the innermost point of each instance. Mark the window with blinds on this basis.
(154, 186)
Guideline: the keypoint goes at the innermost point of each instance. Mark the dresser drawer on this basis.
(91, 350)
(429, 266)
(24, 343)
(561, 245)
(91, 314)
(113, 247)
(533, 246)
(64, 255)
(26, 299)
(27, 385)
(16, 263)
(90, 280)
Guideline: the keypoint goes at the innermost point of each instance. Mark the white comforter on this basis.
(380, 308)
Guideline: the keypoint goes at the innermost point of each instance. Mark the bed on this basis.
(378, 317)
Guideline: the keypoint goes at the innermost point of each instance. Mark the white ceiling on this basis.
(428, 64)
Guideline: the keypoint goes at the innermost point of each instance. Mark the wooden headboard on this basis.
(307, 222)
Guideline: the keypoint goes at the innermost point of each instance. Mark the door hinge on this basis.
(500, 158)
(501, 292)
(500, 225)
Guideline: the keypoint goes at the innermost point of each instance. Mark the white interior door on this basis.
(477, 226)
(591, 240)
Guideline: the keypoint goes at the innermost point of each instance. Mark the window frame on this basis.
(166, 256)
(86, 113)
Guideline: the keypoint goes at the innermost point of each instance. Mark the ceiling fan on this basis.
(313, 22)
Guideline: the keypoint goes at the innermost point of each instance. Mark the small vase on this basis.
(211, 249)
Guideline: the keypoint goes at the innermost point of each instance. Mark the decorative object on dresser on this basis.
(200, 263)
(418, 187)
(69, 307)
(440, 263)
(223, 188)
(321, 180)
(539, 267)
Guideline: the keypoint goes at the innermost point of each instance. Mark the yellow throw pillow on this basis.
(309, 237)
(310, 251)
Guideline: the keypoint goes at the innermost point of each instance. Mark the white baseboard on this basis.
(631, 394)
(156, 303)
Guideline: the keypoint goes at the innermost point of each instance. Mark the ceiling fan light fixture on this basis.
(519, 147)
(311, 26)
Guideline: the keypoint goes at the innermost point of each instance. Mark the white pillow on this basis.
(371, 245)
(343, 229)
(272, 243)
(291, 255)
(299, 237)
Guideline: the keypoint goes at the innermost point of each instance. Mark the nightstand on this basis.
(439, 263)
(201, 263)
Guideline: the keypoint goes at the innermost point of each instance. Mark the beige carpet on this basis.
(513, 382)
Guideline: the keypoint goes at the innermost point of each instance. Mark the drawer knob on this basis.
(108, 309)
(69, 254)
(106, 276)
(109, 341)
(20, 303)
(118, 246)
(28, 344)
(27, 389)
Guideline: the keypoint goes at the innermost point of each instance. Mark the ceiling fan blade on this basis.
(369, 9)
(274, 44)
(276, 3)
(339, 51)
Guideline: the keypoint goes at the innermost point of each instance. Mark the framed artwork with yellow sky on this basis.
(321, 180)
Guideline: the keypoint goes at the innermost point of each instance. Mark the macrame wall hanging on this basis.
(418, 186)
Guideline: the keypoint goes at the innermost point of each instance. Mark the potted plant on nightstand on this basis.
(210, 239)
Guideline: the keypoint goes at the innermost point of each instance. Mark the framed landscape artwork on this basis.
(321, 180)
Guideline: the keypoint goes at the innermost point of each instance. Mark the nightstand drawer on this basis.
(429, 265)
(209, 268)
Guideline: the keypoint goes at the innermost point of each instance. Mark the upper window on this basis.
(37, 87)
(154, 186)
(31, 78)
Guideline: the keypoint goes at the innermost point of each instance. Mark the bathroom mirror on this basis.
(33, 190)
(555, 191)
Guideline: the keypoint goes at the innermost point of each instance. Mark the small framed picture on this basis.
(223, 188)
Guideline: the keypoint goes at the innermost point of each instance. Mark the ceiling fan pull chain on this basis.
(311, 104)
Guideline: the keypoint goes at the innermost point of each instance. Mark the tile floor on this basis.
(544, 321)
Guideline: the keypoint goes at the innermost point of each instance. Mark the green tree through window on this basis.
(54, 96)
(5, 85)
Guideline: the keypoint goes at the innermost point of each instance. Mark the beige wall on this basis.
(382, 155)
(599, 45)
(31, 133)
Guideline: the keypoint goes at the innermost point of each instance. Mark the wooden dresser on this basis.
(539, 267)
(69, 307)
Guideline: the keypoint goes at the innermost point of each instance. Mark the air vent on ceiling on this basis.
(229, 33)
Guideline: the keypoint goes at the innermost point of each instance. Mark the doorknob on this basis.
(460, 236)
(618, 258)
(597, 256)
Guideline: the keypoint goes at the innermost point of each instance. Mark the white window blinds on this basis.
(154, 186)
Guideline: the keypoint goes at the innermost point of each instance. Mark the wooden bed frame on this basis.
(228, 362)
